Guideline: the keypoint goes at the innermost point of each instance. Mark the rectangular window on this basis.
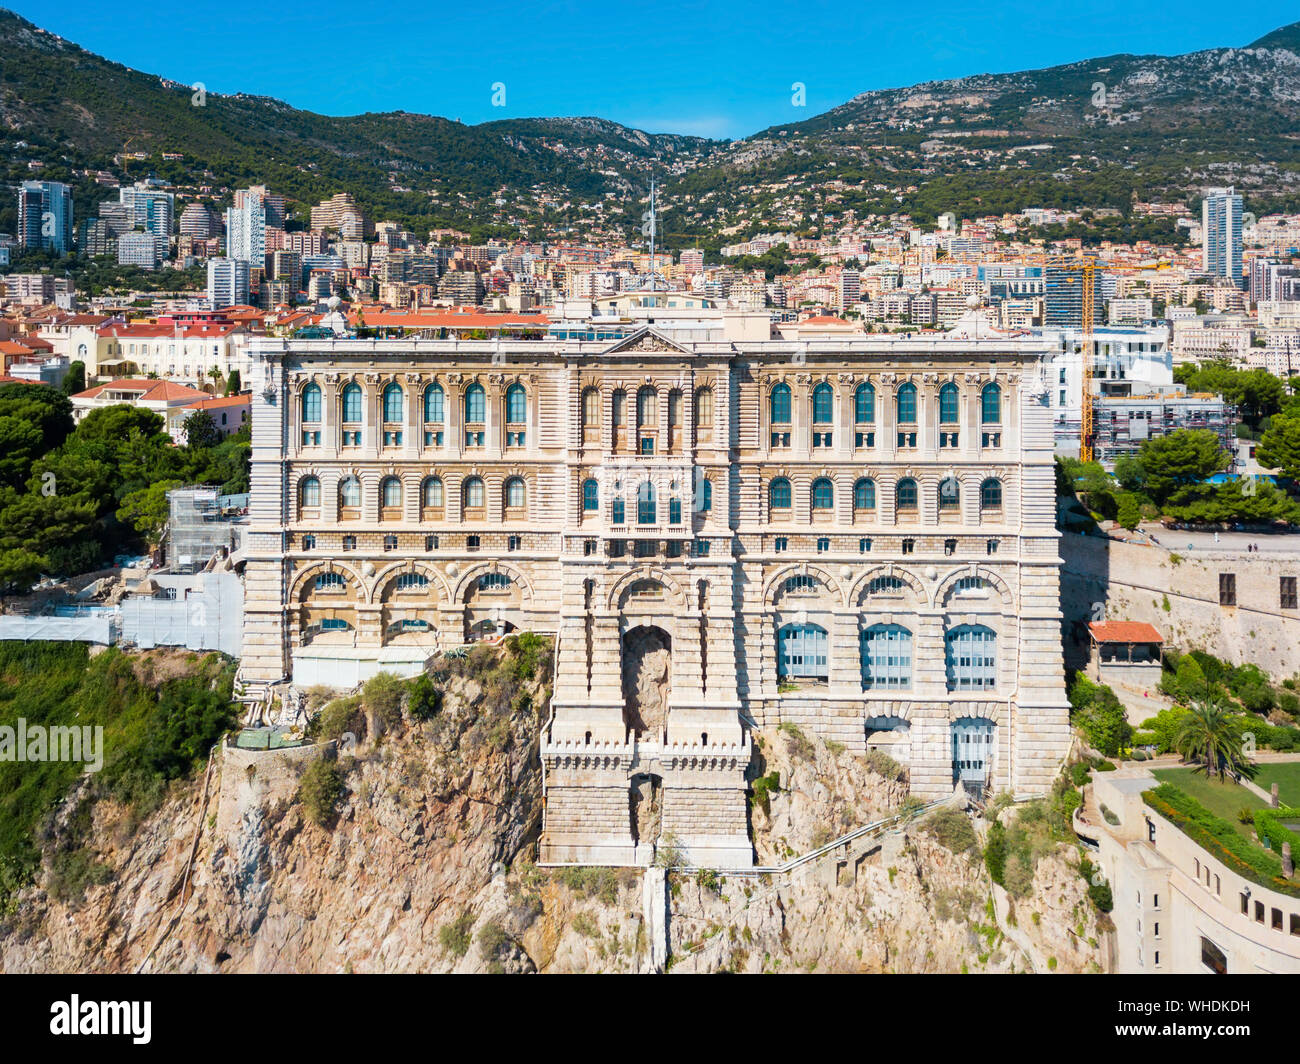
(349, 542)
(390, 542)
(823, 544)
(991, 439)
(514, 439)
(780, 544)
(647, 445)
(474, 439)
(950, 547)
(864, 439)
(644, 548)
(1275, 921)
(1245, 905)
(1287, 592)
(514, 543)
(1227, 589)
(430, 543)
(311, 439)
(821, 439)
(433, 438)
(673, 548)
(701, 548)
(351, 438)
(907, 439)
(780, 439)
(616, 548)
(588, 547)
(864, 546)
(309, 542)
(909, 546)
(991, 547)
(1259, 912)
(947, 439)
(392, 439)
(1213, 957)
(471, 542)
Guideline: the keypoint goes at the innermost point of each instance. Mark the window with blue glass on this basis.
(886, 651)
(675, 510)
(475, 404)
(391, 492)
(780, 404)
(352, 403)
(972, 658)
(590, 495)
(906, 403)
(645, 504)
(619, 514)
(948, 404)
(393, 404)
(864, 494)
(991, 404)
(516, 405)
(434, 400)
(823, 494)
(516, 493)
(991, 494)
(864, 404)
(473, 494)
(823, 403)
(906, 494)
(801, 651)
(778, 494)
(311, 403)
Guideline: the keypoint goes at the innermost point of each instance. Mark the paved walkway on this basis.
(1176, 541)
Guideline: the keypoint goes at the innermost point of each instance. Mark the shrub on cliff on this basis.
(321, 790)
(952, 829)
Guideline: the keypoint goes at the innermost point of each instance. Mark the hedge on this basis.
(1219, 838)
(1272, 832)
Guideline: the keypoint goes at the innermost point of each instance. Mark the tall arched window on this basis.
(823, 494)
(311, 403)
(704, 501)
(309, 492)
(618, 409)
(991, 404)
(886, 653)
(516, 493)
(516, 405)
(704, 408)
(393, 404)
(906, 402)
(475, 404)
(864, 494)
(948, 404)
(647, 407)
(350, 493)
(949, 494)
(906, 495)
(972, 658)
(823, 404)
(590, 496)
(352, 404)
(434, 404)
(674, 511)
(991, 494)
(645, 504)
(780, 404)
(472, 494)
(864, 404)
(618, 508)
(590, 408)
(778, 494)
(433, 494)
(801, 651)
(390, 493)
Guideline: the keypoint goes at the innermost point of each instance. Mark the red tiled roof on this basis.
(217, 402)
(154, 391)
(1125, 632)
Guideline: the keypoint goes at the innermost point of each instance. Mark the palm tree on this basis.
(1208, 734)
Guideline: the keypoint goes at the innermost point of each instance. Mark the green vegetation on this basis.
(1286, 774)
(156, 729)
(763, 789)
(1220, 837)
(1272, 830)
(1210, 735)
(454, 938)
(321, 790)
(1097, 711)
(952, 829)
(1222, 799)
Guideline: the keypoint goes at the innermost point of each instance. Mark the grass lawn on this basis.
(1286, 774)
(1221, 799)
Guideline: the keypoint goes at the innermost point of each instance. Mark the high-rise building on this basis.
(341, 213)
(1063, 297)
(198, 221)
(1221, 234)
(45, 216)
(227, 283)
(141, 249)
(246, 227)
(149, 209)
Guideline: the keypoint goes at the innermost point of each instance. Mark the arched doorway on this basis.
(972, 753)
(647, 674)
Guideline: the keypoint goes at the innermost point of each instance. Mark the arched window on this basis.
(823, 404)
(905, 494)
(390, 492)
(516, 493)
(647, 407)
(330, 582)
(991, 494)
(516, 405)
(350, 493)
(433, 493)
(948, 404)
(780, 404)
(411, 582)
(823, 494)
(801, 651)
(311, 403)
(645, 504)
(906, 402)
(705, 500)
(864, 404)
(704, 408)
(475, 405)
(991, 404)
(885, 585)
(972, 658)
(352, 404)
(309, 492)
(618, 409)
(675, 511)
(886, 653)
(778, 494)
(949, 493)
(472, 493)
(619, 514)
(393, 404)
(434, 404)
(590, 496)
(590, 408)
(864, 494)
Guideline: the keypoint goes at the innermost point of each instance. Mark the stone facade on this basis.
(852, 536)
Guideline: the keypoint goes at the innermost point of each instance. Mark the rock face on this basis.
(646, 661)
(428, 867)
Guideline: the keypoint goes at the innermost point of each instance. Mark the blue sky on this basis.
(719, 70)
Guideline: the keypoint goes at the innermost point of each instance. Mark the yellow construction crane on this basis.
(1086, 268)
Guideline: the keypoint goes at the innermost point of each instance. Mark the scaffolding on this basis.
(1122, 424)
(198, 528)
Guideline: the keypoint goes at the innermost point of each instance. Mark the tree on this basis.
(75, 381)
(146, 510)
(19, 567)
(1183, 458)
(233, 383)
(201, 430)
(1209, 735)
(1128, 513)
(1279, 447)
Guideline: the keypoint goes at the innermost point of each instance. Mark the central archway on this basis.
(647, 676)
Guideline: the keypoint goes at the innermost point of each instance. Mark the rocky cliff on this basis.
(423, 862)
